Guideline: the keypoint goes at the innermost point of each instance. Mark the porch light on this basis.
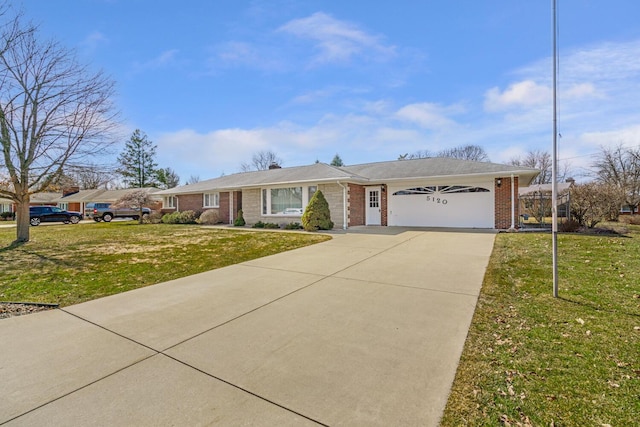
(498, 182)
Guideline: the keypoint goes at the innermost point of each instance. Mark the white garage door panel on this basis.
(472, 210)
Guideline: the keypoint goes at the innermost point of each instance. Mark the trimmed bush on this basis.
(186, 217)
(317, 215)
(630, 219)
(239, 222)
(293, 226)
(570, 226)
(261, 224)
(209, 217)
(153, 218)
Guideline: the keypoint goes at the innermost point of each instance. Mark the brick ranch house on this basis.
(431, 192)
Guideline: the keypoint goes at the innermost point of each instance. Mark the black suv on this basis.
(38, 214)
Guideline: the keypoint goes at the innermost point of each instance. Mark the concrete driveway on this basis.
(365, 329)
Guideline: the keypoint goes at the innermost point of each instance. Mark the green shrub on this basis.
(570, 226)
(239, 222)
(317, 215)
(630, 219)
(153, 218)
(209, 217)
(261, 224)
(7, 216)
(293, 226)
(186, 217)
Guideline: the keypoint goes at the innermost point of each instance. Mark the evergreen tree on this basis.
(337, 161)
(137, 162)
(317, 215)
(167, 178)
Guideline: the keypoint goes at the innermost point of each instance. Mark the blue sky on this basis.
(212, 82)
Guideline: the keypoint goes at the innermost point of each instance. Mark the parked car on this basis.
(104, 212)
(38, 214)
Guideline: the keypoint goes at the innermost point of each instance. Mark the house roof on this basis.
(317, 172)
(433, 167)
(543, 188)
(398, 170)
(44, 198)
(100, 195)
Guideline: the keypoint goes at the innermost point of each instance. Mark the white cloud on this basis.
(428, 115)
(337, 41)
(522, 94)
(94, 40)
(166, 58)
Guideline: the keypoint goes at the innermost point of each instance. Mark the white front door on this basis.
(373, 206)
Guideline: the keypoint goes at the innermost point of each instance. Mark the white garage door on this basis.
(470, 206)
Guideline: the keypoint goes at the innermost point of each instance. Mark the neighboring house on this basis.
(536, 200)
(74, 199)
(39, 199)
(6, 205)
(44, 199)
(432, 192)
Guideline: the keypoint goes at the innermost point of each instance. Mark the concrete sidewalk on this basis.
(365, 329)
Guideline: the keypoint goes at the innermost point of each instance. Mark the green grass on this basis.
(68, 264)
(531, 359)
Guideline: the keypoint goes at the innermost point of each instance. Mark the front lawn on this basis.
(534, 360)
(69, 264)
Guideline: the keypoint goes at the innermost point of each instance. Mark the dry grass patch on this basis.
(534, 360)
(66, 264)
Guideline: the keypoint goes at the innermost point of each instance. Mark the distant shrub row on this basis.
(316, 217)
(7, 216)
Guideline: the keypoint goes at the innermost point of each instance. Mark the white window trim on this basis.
(166, 202)
(305, 200)
(216, 200)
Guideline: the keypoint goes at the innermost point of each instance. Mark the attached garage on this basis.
(442, 205)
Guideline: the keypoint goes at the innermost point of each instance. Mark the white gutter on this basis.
(344, 205)
(513, 204)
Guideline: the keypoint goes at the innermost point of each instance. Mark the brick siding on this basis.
(503, 203)
(335, 196)
(223, 211)
(356, 205)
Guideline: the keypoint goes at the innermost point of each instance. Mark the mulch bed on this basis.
(11, 309)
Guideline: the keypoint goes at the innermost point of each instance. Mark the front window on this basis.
(211, 200)
(289, 201)
(169, 202)
(286, 201)
(63, 206)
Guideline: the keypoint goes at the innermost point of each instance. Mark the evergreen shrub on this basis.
(239, 222)
(317, 215)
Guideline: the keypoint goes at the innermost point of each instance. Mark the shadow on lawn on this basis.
(598, 308)
(12, 246)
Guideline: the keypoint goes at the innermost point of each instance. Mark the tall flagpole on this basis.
(554, 165)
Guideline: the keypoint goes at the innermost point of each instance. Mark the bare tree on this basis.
(137, 199)
(261, 160)
(193, 179)
(463, 152)
(536, 159)
(53, 112)
(466, 152)
(620, 167)
(89, 177)
(594, 202)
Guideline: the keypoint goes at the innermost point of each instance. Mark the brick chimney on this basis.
(70, 190)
